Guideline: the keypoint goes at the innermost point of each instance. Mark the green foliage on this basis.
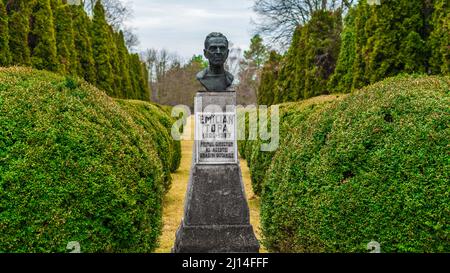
(67, 55)
(157, 124)
(311, 58)
(257, 53)
(395, 44)
(285, 87)
(5, 56)
(19, 12)
(116, 66)
(269, 77)
(200, 60)
(41, 40)
(83, 45)
(342, 78)
(440, 38)
(100, 37)
(385, 40)
(52, 35)
(124, 67)
(372, 165)
(74, 166)
(138, 78)
(291, 115)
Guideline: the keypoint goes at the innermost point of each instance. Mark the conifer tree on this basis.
(134, 75)
(145, 83)
(83, 46)
(5, 56)
(126, 87)
(439, 41)
(269, 77)
(140, 86)
(288, 69)
(342, 78)
(390, 40)
(42, 41)
(359, 68)
(101, 49)
(115, 64)
(311, 58)
(19, 28)
(68, 62)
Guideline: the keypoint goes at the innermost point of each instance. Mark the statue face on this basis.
(217, 51)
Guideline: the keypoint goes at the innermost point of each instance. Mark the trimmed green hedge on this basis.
(74, 166)
(371, 166)
(158, 124)
(291, 114)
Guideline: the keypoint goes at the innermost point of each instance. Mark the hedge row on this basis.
(158, 124)
(372, 165)
(291, 114)
(75, 166)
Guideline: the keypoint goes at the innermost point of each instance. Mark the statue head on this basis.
(216, 48)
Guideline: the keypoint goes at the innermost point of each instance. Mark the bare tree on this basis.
(117, 12)
(277, 19)
(159, 63)
(131, 39)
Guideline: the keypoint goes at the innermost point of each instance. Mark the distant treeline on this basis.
(55, 36)
(374, 42)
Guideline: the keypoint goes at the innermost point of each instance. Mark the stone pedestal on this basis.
(216, 214)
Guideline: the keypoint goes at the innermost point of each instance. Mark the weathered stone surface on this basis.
(216, 213)
(216, 196)
(225, 100)
(216, 239)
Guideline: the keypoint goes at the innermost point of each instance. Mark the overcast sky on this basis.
(181, 25)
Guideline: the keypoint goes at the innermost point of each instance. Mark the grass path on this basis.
(174, 200)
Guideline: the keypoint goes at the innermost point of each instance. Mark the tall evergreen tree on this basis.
(288, 70)
(115, 64)
(145, 83)
(359, 68)
(101, 49)
(42, 41)
(126, 87)
(140, 85)
(257, 52)
(311, 58)
(5, 56)
(67, 55)
(250, 71)
(269, 77)
(390, 40)
(19, 28)
(83, 45)
(439, 41)
(342, 79)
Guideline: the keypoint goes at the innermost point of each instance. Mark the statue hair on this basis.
(215, 35)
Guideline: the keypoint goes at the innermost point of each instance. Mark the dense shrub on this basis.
(158, 124)
(74, 166)
(371, 166)
(291, 114)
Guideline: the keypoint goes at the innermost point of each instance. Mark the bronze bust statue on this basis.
(215, 78)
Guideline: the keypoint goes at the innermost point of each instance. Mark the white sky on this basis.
(181, 26)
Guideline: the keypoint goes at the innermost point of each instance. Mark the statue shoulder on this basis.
(229, 76)
(202, 74)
